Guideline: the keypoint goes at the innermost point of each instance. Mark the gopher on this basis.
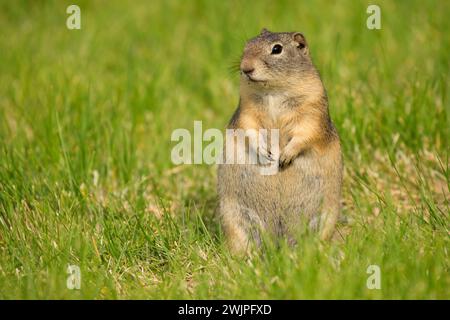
(280, 88)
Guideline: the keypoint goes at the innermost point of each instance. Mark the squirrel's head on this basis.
(276, 60)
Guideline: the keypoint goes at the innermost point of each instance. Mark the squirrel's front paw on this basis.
(265, 155)
(286, 158)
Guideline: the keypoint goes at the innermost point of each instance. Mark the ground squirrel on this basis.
(281, 89)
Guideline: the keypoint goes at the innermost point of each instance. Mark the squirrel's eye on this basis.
(276, 49)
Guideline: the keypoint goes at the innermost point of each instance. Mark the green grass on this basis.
(85, 170)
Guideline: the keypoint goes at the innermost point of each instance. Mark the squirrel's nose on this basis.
(248, 70)
(247, 66)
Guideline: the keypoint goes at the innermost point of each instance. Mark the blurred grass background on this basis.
(85, 172)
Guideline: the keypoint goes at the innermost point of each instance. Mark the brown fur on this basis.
(282, 92)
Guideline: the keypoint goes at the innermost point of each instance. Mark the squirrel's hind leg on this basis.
(331, 206)
(233, 226)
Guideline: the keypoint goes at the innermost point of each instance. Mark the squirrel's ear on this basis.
(264, 31)
(300, 40)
